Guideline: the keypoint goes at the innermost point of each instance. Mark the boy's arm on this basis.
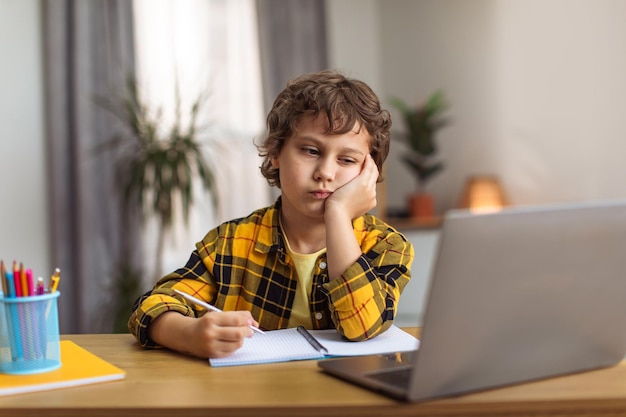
(364, 299)
(367, 274)
(193, 279)
(347, 203)
(163, 318)
(342, 248)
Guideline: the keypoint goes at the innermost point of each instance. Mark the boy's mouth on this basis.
(321, 194)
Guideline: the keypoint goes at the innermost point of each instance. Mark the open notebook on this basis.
(291, 345)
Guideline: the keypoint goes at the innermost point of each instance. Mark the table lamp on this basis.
(483, 194)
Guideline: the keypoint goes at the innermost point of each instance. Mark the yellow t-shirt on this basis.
(304, 263)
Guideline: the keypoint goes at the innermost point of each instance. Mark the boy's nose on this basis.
(325, 170)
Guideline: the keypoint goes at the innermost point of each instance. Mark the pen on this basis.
(54, 280)
(17, 280)
(13, 321)
(10, 285)
(29, 282)
(312, 341)
(41, 287)
(3, 277)
(210, 307)
(24, 283)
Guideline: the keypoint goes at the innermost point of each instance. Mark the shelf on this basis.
(410, 223)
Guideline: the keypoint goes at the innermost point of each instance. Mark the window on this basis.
(207, 46)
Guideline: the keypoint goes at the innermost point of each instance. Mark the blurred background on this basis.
(535, 94)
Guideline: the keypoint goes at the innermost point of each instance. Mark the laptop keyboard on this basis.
(396, 377)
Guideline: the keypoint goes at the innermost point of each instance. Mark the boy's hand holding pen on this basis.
(209, 306)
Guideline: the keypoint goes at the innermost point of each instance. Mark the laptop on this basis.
(519, 295)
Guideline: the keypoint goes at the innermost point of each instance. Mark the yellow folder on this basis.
(78, 367)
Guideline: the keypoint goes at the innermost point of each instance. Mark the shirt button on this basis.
(323, 265)
(318, 316)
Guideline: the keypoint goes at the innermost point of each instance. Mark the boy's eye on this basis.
(310, 151)
(348, 160)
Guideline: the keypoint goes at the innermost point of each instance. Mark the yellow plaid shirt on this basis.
(243, 265)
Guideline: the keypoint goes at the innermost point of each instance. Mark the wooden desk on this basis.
(163, 383)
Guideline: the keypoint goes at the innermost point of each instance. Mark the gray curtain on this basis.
(292, 35)
(88, 52)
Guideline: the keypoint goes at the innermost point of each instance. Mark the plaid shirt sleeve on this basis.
(192, 279)
(224, 261)
(364, 299)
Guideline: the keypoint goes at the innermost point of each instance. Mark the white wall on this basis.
(23, 221)
(445, 45)
(354, 37)
(536, 86)
(562, 94)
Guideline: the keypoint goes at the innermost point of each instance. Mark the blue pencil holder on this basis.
(29, 334)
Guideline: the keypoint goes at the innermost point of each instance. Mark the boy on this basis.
(315, 257)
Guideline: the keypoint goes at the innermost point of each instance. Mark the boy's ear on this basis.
(274, 161)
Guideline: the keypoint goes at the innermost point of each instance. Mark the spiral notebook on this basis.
(292, 345)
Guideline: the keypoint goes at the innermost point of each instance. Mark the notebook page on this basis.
(289, 345)
(272, 346)
(391, 341)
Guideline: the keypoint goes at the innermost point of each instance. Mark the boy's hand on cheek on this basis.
(358, 196)
(217, 335)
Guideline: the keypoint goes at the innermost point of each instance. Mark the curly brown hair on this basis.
(343, 101)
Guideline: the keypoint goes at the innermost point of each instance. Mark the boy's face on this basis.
(312, 165)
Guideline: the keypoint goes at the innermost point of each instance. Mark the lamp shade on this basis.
(483, 194)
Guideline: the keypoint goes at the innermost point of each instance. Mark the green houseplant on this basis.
(422, 123)
(156, 170)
